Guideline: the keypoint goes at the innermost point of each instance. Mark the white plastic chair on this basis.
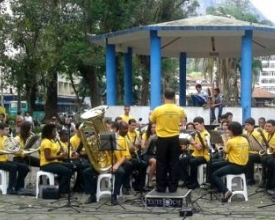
(240, 185)
(43, 174)
(4, 181)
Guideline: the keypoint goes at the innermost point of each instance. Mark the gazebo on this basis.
(196, 37)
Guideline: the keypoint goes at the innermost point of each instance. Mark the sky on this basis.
(266, 7)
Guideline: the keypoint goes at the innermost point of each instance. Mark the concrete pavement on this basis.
(26, 207)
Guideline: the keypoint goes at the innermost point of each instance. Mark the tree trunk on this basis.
(145, 63)
(51, 101)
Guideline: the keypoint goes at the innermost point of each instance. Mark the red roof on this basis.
(261, 93)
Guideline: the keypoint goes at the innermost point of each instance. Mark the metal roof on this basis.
(203, 36)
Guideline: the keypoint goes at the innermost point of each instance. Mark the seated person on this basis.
(199, 156)
(217, 103)
(199, 99)
(237, 150)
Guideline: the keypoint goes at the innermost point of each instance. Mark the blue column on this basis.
(155, 69)
(128, 86)
(111, 74)
(182, 95)
(246, 74)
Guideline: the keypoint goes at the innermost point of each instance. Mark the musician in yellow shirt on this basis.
(17, 171)
(122, 166)
(167, 118)
(267, 159)
(199, 156)
(237, 150)
(255, 142)
(126, 116)
(51, 157)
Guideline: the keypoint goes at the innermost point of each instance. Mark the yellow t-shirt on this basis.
(204, 152)
(4, 157)
(126, 118)
(48, 144)
(123, 148)
(271, 140)
(22, 145)
(75, 141)
(167, 118)
(237, 149)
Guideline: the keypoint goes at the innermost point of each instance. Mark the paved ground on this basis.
(27, 207)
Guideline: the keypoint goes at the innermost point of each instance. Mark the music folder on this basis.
(216, 137)
(108, 141)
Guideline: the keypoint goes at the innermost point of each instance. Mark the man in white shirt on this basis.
(199, 99)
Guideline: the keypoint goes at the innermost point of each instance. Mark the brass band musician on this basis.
(51, 156)
(256, 145)
(199, 156)
(25, 133)
(267, 159)
(17, 171)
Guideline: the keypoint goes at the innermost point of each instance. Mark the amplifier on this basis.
(49, 192)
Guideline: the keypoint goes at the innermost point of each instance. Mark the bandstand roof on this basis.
(203, 36)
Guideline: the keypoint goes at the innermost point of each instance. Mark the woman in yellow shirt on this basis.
(237, 150)
(51, 156)
(25, 133)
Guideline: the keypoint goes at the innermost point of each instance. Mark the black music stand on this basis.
(68, 204)
(109, 143)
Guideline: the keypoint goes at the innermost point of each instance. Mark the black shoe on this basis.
(160, 190)
(226, 196)
(114, 200)
(91, 199)
(11, 192)
(125, 191)
(193, 186)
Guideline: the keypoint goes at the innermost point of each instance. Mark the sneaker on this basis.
(114, 200)
(226, 196)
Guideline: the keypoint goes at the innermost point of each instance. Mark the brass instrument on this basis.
(11, 146)
(267, 149)
(32, 144)
(89, 132)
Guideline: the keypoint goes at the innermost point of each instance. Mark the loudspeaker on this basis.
(49, 192)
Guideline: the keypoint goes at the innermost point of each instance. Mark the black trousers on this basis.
(17, 174)
(192, 163)
(64, 173)
(89, 176)
(122, 177)
(29, 160)
(168, 151)
(221, 169)
(253, 158)
(140, 167)
(264, 161)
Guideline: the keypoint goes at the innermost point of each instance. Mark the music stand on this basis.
(68, 204)
(109, 143)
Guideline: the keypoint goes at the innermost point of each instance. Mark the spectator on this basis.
(217, 103)
(199, 99)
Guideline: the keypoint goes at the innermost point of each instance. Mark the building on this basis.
(267, 75)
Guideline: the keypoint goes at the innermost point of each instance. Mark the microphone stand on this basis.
(68, 204)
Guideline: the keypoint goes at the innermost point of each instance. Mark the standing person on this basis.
(217, 103)
(29, 118)
(167, 118)
(236, 148)
(17, 171)
(126, 116)
(200, 98)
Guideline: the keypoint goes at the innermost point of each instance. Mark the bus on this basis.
(38, 111)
